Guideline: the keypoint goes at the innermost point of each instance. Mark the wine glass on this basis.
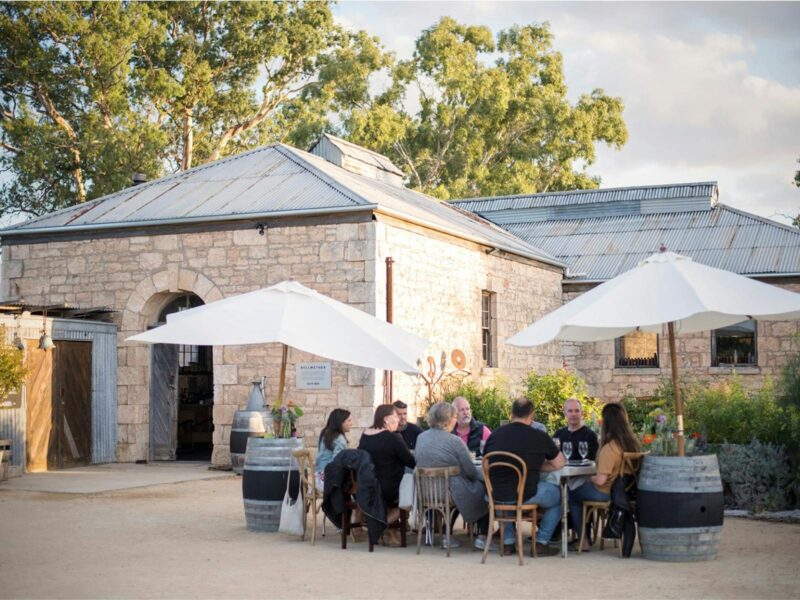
(567, 448)
(583, 449)
(557, 442)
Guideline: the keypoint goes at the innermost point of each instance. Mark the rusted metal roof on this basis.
(602, 233)
(271, 181)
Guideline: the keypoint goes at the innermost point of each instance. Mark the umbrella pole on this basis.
(676, 388)
(282, 381)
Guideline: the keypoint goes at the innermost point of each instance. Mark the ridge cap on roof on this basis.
(583, 191)
(756, 217)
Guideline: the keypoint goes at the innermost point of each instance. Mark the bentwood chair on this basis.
(433, 494)
(312, 497)
(493, 465)
(598, 511)
(351, 506)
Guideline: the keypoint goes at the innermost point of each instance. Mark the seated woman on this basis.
(391, 456)
(332, 440)
(616, 437)
(438, 448)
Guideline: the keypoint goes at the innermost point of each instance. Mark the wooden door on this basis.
(39, 405)
(71, 442)
(164, 402)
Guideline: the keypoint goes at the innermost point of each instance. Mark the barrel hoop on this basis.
(675, 510)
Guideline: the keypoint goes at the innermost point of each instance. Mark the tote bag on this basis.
(292, 512)
(407, 492)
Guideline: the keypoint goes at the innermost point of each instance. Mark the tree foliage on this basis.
(488, 128)
(92, 92)
(12, 366)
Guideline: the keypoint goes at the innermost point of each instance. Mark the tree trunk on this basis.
(188, 139)
(63, 124)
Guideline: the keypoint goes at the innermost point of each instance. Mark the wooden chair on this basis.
(350, 506)
(518, 511)
(433, 494)
(598, 511)
(312, 497)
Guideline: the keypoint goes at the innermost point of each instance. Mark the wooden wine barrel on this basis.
(680, 506)
(268, 464)
(246, 424)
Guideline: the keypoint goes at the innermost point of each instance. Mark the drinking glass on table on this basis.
(557, 442)
(583, 449)
(482, 446)
(567, 448)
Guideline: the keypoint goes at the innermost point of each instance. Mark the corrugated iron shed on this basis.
(272, 181)
(602, 233)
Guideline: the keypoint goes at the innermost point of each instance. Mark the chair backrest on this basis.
(433, 486)
(495, 461)
(305, 460)
(630, 465)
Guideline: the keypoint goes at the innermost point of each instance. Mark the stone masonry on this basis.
(438, 283)
(437, 294)
(595, 361)
(137, 276)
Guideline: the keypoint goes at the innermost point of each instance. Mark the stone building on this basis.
(252, 220)
(602, 233)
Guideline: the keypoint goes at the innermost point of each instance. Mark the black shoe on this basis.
(545, 550)
(509, 550)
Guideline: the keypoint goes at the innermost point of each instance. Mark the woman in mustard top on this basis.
(616, 437)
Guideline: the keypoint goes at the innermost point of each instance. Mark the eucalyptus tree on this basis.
(493, 116)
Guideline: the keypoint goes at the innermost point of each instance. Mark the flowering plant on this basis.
(660, 435)
(285, 419)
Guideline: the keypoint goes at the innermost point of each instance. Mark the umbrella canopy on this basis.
(664, 288)
(296, 316)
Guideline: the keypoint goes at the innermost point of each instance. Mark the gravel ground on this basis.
(188, 540)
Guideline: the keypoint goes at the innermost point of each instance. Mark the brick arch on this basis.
(154, 291)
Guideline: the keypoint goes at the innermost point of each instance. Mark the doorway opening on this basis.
(181, 395)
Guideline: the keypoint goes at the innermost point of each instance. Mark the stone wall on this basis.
(437, 294)
(595, 361)
(137, 276)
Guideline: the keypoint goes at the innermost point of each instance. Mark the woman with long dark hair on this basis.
(332, 440)
(391, 456)
(616, 437)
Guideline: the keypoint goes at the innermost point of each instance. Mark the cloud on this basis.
(710, 90)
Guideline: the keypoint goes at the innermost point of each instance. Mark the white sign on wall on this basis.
(313, 376)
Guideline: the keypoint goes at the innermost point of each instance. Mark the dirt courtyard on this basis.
(188, 540)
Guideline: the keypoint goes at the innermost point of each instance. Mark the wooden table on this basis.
(564, 476)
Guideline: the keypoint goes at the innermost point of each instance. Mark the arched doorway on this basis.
(181, 395)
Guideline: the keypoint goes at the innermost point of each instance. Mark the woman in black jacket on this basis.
(390, 455)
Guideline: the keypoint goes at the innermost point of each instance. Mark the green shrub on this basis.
(789, 379)
(490, 404)
(755, 476)
(12, 366)
(548, 393)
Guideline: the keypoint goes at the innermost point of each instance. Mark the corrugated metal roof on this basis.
(270, 181)
(601, 248)
(702, 195)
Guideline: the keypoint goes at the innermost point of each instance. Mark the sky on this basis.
(711, 90)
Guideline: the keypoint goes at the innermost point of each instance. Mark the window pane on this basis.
(637, 349)
(735, 344)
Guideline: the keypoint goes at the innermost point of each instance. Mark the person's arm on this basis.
(468, 468)
(554, 459)
(606, 465)
(486, 433)
(403, 453)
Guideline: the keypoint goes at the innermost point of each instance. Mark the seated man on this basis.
(471, 432)
(409, 431)
(575, 431)
(539, 453)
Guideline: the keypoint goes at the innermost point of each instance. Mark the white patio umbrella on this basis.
(664, 288)
(293, 315)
